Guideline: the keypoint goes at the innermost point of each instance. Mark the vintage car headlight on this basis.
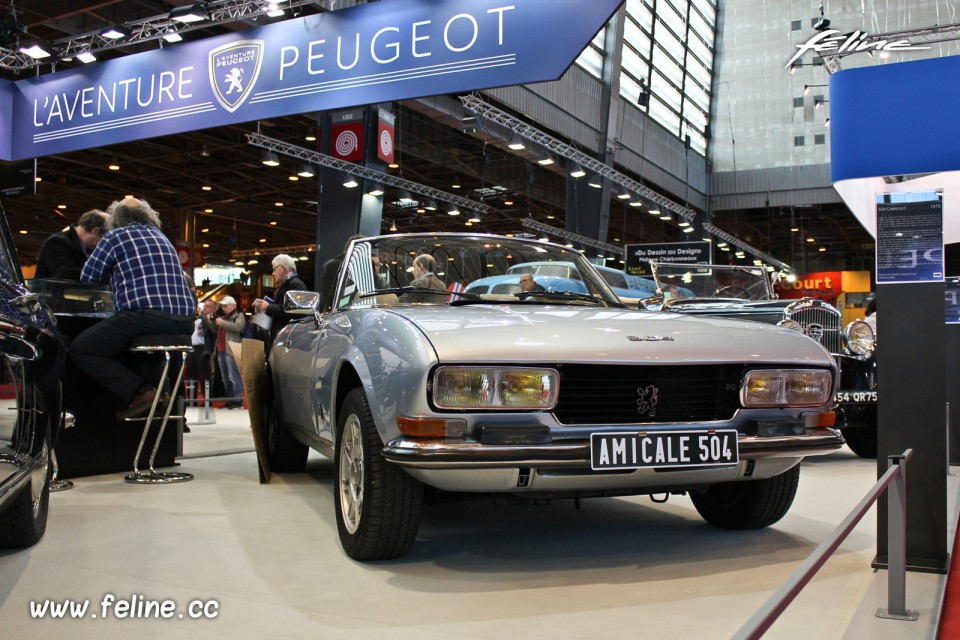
(860, 338)
(495, 388)
(786, 388)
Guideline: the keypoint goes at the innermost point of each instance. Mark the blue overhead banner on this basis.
(895, 119)
(378, 52)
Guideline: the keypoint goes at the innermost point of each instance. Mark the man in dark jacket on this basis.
(62, 254)
(285, 275)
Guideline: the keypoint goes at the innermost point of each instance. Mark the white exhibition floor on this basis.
(268, 556)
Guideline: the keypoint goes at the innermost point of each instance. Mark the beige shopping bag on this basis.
(253, 372)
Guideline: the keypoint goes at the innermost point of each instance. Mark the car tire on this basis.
(24, 520)
(862, 440)
(285, 453)
(378, 504)
(749, 504)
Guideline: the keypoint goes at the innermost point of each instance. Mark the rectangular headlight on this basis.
(786, 388)
(495, 388)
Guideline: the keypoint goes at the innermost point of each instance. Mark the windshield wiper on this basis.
(408, 289)
(558, 295)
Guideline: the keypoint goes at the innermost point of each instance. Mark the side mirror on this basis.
(301, 303)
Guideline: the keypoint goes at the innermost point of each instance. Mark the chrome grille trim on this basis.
(820, 321)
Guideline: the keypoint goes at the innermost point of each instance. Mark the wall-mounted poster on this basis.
(951, 300)
(909, 237)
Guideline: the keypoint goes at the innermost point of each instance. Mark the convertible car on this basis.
(553, 394)
(31, 363)
(747, 293)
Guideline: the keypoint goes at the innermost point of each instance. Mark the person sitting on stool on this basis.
(150, 295)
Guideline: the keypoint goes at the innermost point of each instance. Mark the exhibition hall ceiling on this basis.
(249, 206)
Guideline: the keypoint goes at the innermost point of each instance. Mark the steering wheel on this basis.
(732, 291)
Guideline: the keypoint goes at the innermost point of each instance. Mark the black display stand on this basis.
(952, 353)
(912, 415)
(98, 443)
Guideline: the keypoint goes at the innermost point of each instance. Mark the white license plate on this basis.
(647, 449)
(844, 397)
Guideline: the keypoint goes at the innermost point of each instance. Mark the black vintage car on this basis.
(747, 293)
(32, 360)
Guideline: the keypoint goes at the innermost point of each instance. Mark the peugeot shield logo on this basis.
(815, 331)
(234, 68)
(647, 400)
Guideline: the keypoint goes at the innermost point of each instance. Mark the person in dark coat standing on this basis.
(62, 254)
(285, 275)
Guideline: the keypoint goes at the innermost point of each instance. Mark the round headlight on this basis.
(860, 338)
(790, 324)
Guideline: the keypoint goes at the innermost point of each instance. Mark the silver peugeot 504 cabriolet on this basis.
(409, 382)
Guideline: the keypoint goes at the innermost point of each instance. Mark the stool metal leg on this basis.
(138, 476)
(169, 476)
(58, 484)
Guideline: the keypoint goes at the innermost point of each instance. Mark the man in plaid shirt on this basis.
(150, 295)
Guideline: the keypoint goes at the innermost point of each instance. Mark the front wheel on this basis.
(862, 440)
(24, 520)
(749, 504)
(378, 504)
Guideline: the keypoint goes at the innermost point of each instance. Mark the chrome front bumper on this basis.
(443, 454)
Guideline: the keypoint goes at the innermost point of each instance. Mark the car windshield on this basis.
(461, 269)
(712, 281)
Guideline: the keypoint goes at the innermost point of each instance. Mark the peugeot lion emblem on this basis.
(815, 331)
(650, 338)
(647, 400)
(234, 68)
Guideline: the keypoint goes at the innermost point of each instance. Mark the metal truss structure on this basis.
(236, 254)
(146, 30)
(615, 251)
(926, 35)
(574, 155)
(730, 238)
(324, 160)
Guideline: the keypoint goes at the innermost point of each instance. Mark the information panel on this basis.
(640, 255)
(909, 237)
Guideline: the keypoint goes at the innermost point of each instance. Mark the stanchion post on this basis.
(206, 399)
(897, 544)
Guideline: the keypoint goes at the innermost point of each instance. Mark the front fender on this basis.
(390, 358)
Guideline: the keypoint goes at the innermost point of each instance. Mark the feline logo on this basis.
(234, 69)
(647, 400)
(832, 41)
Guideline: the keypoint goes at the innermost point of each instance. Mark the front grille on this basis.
(820, 322)
(622, 394)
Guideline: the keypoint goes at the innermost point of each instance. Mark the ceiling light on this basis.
(578, 172)
(393, 226)
(684, 224)
(636, 203)
(666, 216)
(811, 240)
(516, 143)
(115, 33)
(430, 206)
(293, 178)
(306, 170)
(273, 10)
(171, 35)
(689, 230)
(508, 203)
(113, 166)
(208, 210)
(311, 136)
(38, 50)
(393, 165)
(206, 245)
(468, 224)
(205, 230)
(596, 182)
(623, 195)
(455, 186)
(654, 212)
(545, 161)
(453, 211)
(278, 204)
(794, 229)
(351, 183)
(376, 191)
(474, 218)
(273, 223)
(206, 187)
(61, 206)
(190, 13)
(822, 249)
(270, 158)
(86, 57)
(24, 231)
(263, 239)
(238, 263)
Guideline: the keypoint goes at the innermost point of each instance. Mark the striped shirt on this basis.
(143, 270)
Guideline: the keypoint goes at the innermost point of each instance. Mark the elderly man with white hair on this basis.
(285, 275)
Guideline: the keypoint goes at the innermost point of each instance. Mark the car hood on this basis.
(538, 333)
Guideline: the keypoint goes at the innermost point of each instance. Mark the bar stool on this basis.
(56, 482)
(167, 344)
